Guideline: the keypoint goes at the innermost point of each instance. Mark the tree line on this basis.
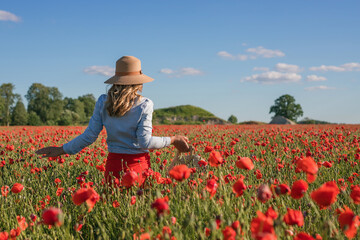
(46, 106)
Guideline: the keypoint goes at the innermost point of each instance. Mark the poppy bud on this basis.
(264, 193)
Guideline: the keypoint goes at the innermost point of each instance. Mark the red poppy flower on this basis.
(309, 166)
(239, 187)
(17, 187)
(215, 159)
(229, 233)
(282, 189)
(180, 172)
(4, 236)
(244, 163)
(15, 233)
(303, 236)
(327, 164)
(236, 225)
(348, 222)
(211, 186)
(116, 204)
(161, 205)
(355, 194)
(59, 191)
(262, 226)
(22, 222)
(271, 213)
(133, 200)
(298, 189)
(53, 216)
(5, 190)
(208, 149)
(202, 163)
(326, 194)
(294, 217)
(88, 195)
(129, 179)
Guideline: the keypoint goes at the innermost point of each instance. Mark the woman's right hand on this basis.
(181, 143)
(51, 151)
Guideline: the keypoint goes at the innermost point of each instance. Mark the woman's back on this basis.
(129, 134)
(130, 126)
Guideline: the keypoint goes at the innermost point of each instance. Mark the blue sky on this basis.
(228, 57)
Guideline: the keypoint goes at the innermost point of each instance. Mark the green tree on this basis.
(232, 119)
(77, 107)
(19, 114)
(8, 98)
(46, 102)
(34, 119)
(285, 106)
(89, 104)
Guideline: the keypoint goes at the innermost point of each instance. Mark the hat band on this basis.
(128, 73)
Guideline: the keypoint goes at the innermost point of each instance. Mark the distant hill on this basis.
(185, 114)
(312, 121)
(252, 123)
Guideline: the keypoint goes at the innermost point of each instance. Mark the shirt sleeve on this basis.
(91, 132)
(144, 130)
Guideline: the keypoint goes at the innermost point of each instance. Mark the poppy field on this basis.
(250, 182)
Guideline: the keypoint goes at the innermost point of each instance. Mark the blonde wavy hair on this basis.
(121, 98)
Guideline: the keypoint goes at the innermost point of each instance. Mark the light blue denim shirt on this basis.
(130, 134)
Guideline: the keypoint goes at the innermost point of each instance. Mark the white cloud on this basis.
(8, 16)
(262, 69)
(265, 53)
(315, 78)
(187, 71)
(322, 87)
(273, 77)
(283, 67)
(254, 54)
(100, 70)
(190, 71)
(167, 71)
(225, 54)
(347, 67)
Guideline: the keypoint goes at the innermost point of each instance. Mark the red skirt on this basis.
(119, 163)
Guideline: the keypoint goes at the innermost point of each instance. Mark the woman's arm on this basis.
(147, 141)
(85, 139)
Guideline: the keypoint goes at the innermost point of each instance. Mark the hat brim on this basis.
(129, 80)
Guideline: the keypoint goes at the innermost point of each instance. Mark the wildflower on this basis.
(294, 217)
(87, 195)
(211, 187)
(129, 179)
(161, 205)
(244, 163)
(355, 194)
(229, 233)
(303, 236)
(239, 187)
(215, 159)
(53, 217)
(326, 194)
(180, 172)
(309, 166)
(298, 189)
(17, 187)
(348, 222)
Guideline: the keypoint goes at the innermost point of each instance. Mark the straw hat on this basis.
(128, 72)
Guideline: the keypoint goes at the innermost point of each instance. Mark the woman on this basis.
(127, 117)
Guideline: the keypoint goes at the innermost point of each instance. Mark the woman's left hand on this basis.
(51, 151)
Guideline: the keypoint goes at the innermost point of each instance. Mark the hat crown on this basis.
(128, 64)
